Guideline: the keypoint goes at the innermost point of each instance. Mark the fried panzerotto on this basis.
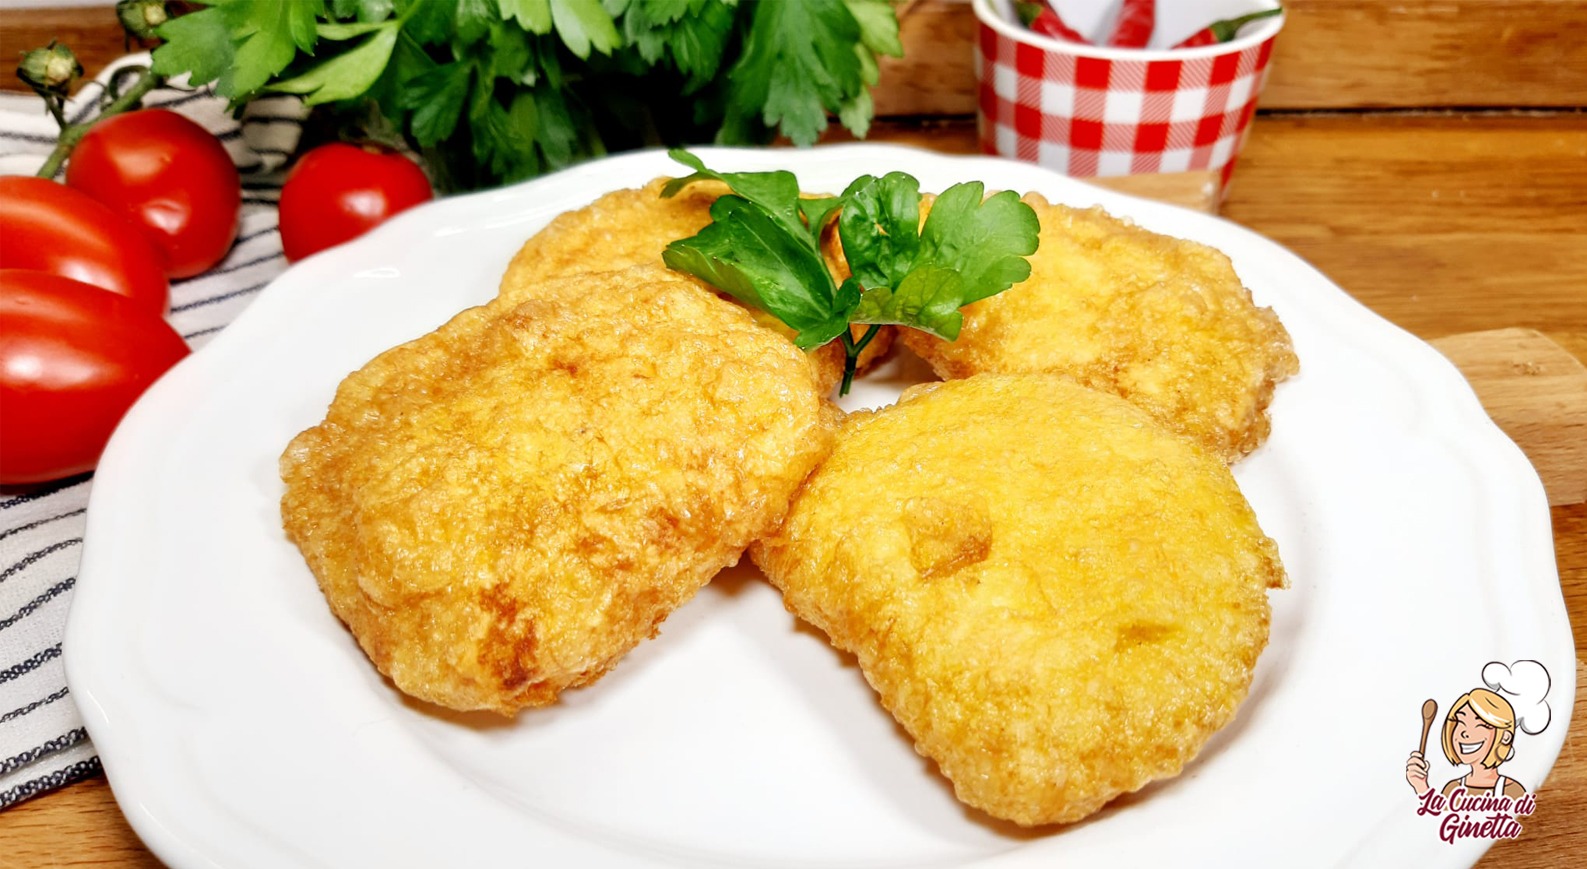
(632, 227)
(501, 509)
(1059, 600)
(1160, 321)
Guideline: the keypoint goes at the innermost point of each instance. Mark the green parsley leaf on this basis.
(660, 11)
(817, 210)
(751, 255)
(338, 32)
(968, 250)
(473, 18)
(775, 192)
(510, 56)
(198, 43)
(557, 136)
(374, 10)
(481, 98)
(436, 97)
(878, 26)
(363, 10)
(408, 61)
(880, 228)
(583, 25)
(692, 34)
(856, 114)
(547, 49)
(927, 299)
(429, 22)
(490, 127)
(523, 124)
(275, 33)
(984, 241)
(346, 75)
(798, 64)
(532, 15)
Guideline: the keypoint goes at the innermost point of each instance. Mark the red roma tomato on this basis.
(168, 176)
(338, 192)
(49, 227)
(73, 358)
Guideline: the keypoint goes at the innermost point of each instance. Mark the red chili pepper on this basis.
(1225, 30)
(1043, 19)
(1137, 18)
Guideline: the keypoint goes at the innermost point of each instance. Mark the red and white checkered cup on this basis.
(1092, 111)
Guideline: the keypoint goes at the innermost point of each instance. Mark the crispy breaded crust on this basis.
(1058, 599)
(619, 230)
(501, 509)
(1161, 321)
(633, 227)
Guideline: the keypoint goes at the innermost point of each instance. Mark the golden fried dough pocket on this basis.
(501, 509)
(1161, 321)
(1059, 600)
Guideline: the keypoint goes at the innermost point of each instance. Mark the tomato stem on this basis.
(71, 134)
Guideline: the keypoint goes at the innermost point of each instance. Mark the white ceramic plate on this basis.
(241, 726)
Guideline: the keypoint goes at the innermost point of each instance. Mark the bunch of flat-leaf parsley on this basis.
(763, 247)
(498, 90)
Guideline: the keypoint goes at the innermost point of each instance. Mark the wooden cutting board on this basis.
(1537, 392)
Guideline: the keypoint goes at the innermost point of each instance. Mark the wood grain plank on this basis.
(936, 75)
(1537, 393)
(1333, 54)
(1424, 53)
(79, 825)
(1441, 223)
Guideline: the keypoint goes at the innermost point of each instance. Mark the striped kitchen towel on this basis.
(43, 745)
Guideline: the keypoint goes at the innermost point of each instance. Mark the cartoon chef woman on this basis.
(1479, 730)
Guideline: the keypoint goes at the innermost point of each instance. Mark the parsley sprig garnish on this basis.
(763, 247)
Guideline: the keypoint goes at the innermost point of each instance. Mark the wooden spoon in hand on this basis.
(1429, 709)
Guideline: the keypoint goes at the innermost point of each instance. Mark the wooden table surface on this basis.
(1441, 221)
